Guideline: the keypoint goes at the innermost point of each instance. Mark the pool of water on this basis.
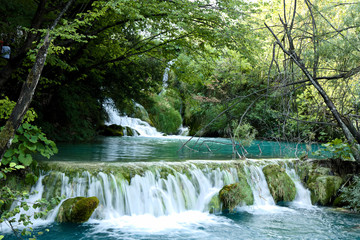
(172, 148)
(276, 222)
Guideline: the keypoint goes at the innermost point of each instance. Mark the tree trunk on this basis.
(26, 95)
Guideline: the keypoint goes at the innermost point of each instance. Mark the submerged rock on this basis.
(77, 210)
(281, 187)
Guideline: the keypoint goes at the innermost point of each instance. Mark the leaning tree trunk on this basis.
(26, 95)
(348, 132)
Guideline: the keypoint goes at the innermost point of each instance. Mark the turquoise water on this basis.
(276, 223)
(168, 149)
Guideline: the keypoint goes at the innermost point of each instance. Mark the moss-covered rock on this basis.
(282, 188)
(324, 189)
(235, 194)
(77, 210)
(322, 180)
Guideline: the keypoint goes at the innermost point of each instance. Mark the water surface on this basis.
(172, 148)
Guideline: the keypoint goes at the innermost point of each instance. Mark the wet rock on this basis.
(112, 130)
(77, 210)
(214, 204)
(281, 186)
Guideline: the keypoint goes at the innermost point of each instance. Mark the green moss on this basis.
(214, 204)
(77, 210)
(235, 194)
(324, 188)
(282, 188)
(31, 179)
(7, 133)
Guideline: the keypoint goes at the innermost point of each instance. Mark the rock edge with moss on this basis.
(77, 210)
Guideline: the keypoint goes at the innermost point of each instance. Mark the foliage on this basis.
(28, 140)
(351, 194)
(244, 134)
(336, 148)
(163, 115)
(6, 107)
(18, 214)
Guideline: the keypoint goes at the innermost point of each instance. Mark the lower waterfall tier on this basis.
(161, 189)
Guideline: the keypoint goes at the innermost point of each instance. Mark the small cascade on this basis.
(166, 77)
(303, 195)
(183, 131)
(141, 128)
(259, 186)
(37, 191)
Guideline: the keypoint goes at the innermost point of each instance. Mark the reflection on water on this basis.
(170, 149)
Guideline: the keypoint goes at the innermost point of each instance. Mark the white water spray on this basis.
(303, 195)
(138, 126)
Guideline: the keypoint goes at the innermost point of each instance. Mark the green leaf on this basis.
(25, 159)
(33, 139)
(26, 126)
(30, 146)
(9, 153)
(12, 164)
(19, 167)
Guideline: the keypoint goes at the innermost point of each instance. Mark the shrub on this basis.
(351, 195)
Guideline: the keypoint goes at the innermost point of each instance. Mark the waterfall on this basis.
(302, 198)
(149, 193)
(166, 76)
(132, 192)
(141, 128)
(259, 186)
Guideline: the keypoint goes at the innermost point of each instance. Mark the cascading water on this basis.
(302, 198)
(140, 127)
(259, 186)
(158, 197)
(148, 194)
(166, 77)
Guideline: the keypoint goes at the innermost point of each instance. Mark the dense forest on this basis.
(276, 70)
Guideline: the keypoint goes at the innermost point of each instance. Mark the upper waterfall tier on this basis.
(141, 127)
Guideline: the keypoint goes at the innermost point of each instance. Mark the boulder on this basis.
(324, 189)
(323, 181)
(77, 210)
(281, 186)
(235, 194)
